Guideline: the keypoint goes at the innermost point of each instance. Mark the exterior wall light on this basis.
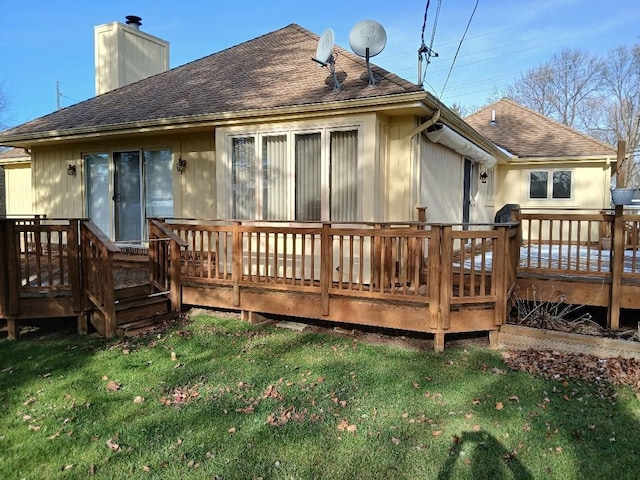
(71, 170)
(483, 177)
(181, 165)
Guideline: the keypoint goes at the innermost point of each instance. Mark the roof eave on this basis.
(413, 101)
(607, 159)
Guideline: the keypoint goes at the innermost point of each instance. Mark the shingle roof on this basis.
(12, 153)
(274, 70)
(529, 134)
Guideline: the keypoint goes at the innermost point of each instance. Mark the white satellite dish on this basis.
(324, 56)
(367, 34)
(325, 47)
(367, 39)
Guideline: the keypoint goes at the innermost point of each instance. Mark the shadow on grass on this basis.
(490, 458)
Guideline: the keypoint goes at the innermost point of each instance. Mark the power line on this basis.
(459, 46)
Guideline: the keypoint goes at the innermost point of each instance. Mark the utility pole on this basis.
(58, 93)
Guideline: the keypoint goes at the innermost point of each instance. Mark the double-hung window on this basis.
(550, 184)
(296, 176)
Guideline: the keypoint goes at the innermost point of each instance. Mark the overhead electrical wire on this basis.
(459, 46)
(433, 36)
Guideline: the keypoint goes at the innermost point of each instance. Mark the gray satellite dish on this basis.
(324, 55)
(367, 39)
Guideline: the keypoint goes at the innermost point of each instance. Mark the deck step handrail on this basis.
(97, 273)
(164, 262)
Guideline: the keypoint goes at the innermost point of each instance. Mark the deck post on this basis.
(4, 255)
(500, 277)
(433, 276)
(326, 263)
(13, 261)
(446, 277)
(73, 255)
(174, 276)
(236, 266)
(616, 269)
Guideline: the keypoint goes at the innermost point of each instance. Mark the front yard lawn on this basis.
(215, 398)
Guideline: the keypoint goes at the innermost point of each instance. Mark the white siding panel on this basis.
(441, 183)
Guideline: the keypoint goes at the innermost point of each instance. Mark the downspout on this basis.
(425, 125)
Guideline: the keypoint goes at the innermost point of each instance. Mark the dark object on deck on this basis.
(508, 213)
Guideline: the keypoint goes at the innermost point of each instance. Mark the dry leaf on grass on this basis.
(113, 386)
(114, 447)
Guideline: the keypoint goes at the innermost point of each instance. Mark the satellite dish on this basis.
(325, 47)
(367, 34)
(324, 56)
(367, 39)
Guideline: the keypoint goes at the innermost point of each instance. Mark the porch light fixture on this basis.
(181, 165)
(71, 170)
(483, 177)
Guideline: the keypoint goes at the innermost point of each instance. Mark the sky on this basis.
(47, 47)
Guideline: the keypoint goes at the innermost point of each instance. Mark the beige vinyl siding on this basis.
(57, 194)
(60, 195)
(19, 199)
(195, 189)
(441, 182)
(399, 174)
(590, 185)
(124, 55)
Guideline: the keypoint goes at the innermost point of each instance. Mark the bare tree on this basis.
(621, 112)
(561, 88)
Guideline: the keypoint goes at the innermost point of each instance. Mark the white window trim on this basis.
(224, 137)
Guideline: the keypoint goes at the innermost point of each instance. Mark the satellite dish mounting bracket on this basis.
(331, 63)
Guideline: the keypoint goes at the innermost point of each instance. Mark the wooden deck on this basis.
(433, 278)
(409, 276)
(590, 259)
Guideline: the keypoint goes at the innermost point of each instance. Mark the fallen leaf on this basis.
(477, 428)
(34, 428)
(396, 441)
(514, 398)
(112, 445)
(436, 433)
(146, 468)
(138, 399)
(232, 430)
(67, 467)
(54, 436)
(499, 406)
(248, 409)
(113, 386)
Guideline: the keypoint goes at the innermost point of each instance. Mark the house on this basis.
(257, 131)
(550, 165)
(15, 183)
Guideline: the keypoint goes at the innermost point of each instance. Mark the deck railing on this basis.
(40, 257)
(97, 272)
(442, 266)
(164, 258)
(601, 246)
(580, 244)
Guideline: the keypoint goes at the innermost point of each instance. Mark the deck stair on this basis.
(137, 311)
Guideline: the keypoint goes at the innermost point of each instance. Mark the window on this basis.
(301, 176)
(556, 182)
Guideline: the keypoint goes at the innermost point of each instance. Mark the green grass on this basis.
(247, 402)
